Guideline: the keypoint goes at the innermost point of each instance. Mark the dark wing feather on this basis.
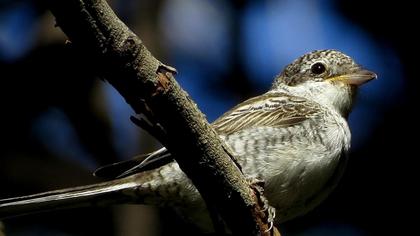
(115, 169)
(137, 164)
(270, 109)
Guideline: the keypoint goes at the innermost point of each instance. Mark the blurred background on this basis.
(58, 122)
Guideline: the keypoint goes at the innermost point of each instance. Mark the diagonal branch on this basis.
(150, 88)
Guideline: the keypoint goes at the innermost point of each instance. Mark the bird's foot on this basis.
(258, 186)
(268, 211)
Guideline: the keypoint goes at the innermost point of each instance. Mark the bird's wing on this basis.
(270, 109)
(137, 164)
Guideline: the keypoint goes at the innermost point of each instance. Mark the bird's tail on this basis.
(100, 194)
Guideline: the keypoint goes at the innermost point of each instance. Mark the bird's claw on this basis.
(269, 211)
(256, 184)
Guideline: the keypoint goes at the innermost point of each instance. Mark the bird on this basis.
(295, 138)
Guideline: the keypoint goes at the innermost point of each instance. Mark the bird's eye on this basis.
(318, 68)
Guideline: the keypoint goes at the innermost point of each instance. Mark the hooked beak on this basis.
(356, 78)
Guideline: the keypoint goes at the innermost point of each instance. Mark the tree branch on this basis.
(150, 88)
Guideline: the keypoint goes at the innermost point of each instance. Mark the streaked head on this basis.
(327, 76)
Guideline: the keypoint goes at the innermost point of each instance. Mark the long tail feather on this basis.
(116, 191)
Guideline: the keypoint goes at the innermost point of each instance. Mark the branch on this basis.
(150, 88)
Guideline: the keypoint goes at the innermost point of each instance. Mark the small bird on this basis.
(295, 138)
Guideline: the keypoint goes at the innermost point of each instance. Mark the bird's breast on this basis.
(300, 164)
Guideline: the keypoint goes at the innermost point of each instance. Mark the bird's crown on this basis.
(317, 65)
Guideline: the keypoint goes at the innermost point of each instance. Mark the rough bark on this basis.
(150, 88)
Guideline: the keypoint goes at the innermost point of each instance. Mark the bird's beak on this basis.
(356, 78)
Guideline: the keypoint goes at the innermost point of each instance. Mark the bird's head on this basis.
(328, 77)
